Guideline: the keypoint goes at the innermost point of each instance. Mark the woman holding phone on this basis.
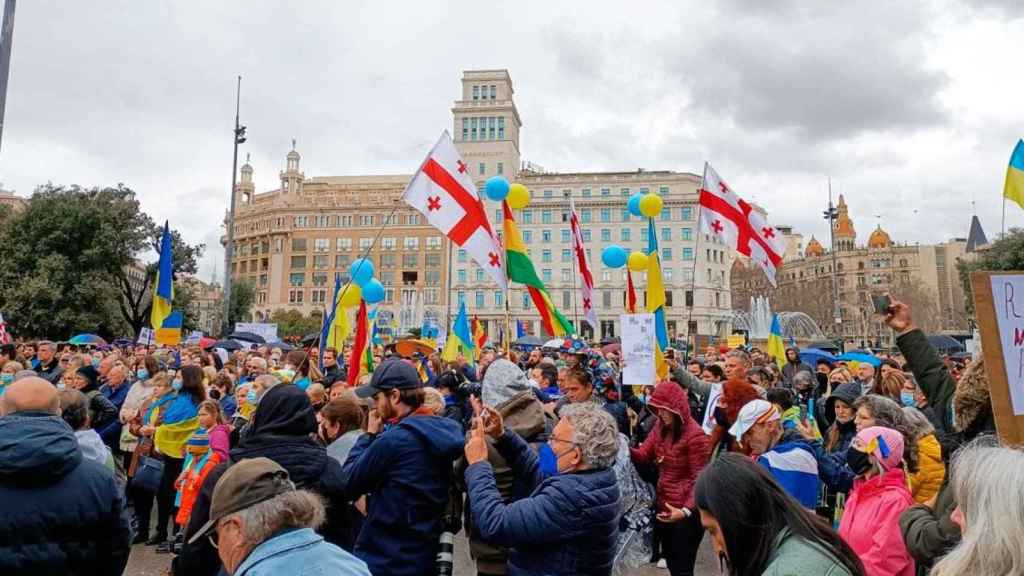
(679, 448)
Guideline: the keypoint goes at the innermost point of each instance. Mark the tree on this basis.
(293, 324)
(243, 294)
(1007, 253)
(63, 255)
(137, 300)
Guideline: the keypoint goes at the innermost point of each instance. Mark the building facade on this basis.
(206, 306)
(290, 241)
(924, 276)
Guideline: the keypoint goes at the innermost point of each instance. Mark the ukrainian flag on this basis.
(1014, 189)
(776, 349)
(656, 300)
(163, 289)
(459, 336)
(169, 334)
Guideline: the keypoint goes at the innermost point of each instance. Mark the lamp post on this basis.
(229, 248)
(831, 214)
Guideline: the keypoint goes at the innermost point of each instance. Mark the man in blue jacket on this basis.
(404, 463)
(570, 522)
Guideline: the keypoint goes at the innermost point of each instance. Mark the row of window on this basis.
(588, 215)
(320, 296)
(387, 243)
(387, 278)
(485, 92)
(343, 261)
(483, 128)
(608, 299)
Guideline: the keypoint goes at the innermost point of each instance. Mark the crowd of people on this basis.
(261, 460)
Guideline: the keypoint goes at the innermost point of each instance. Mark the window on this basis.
(606, 298)
(301, 221)
(465, 129)
(321, 245)
(546, 275)
(366, 220)
(667, 274)
(624, 234)
(687, 253)
(412, 219)
(476, 92)
(545, 236)
(388, 244)
(606, 235)
(606, 276)
(668, 298)
(566, 255)
(499, 299)
(586, 192)
(472, 128)
(606, 214)
(666, 234)
(479, 274)
(461, 297)
(566, 300)
(527, 236)
(433, 260)
(479, 298)
(319, 278)
(688, 297)
(526, 300)
(624, 192)
(410, 260)
(298, 244)
(545, 217)
(666, 214)
(296, 279)
(344, 244)
(586, 235)
(494, 92)
(585, 215)
(461, 257)
(481, 168)
(433, 242)
(492, 125)
(500, 168)
(387, 260)
(687, 213)
(501, 128)
(566, 236)
(320, 261)
(365, 243)
(606, 192)
(433, 278)
(295, 296)
(663, 190)
(566, 277)
(298, 262)
(687, 234)
(412, 243)
(666, 254)
(345, 221)
(527, 217)
(342, 261)
(545, 255)
(461, 276)
(625, 214)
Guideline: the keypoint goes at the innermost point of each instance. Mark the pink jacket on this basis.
(220, 441)
(871, 525)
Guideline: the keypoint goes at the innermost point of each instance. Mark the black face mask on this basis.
(858, 461)
(720, 417)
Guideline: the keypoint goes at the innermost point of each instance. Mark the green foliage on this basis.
(1007, 253)
(243, 294)
(138, 299)
(293, 324)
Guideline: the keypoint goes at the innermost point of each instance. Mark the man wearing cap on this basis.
(404, 461)
(260, 524)
(786, 454)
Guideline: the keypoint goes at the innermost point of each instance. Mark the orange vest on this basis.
(189, 483)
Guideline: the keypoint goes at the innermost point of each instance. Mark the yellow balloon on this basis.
(350, 295)
(518, 196)
(638, 262)
(650, 205)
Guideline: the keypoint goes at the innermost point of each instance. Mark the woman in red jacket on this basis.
(679, 448)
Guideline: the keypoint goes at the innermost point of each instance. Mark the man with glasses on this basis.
(49, 367)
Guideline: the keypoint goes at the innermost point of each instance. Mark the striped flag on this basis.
(3, 330)
(582, 268)
(163, 287)
(656, 299)
(520, 269)
(357, 363)
(630, 293)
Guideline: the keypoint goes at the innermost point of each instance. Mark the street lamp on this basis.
(229, 249)
(831, 215)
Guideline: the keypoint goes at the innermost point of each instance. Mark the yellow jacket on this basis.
(931, 471)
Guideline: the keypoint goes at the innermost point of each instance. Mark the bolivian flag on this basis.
(1014, 189)
(520, 269)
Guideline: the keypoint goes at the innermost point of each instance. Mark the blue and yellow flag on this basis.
(656, 300)
(460, 336)
(169, 334)
(776, 349)
(1014, 189)
(163, 287)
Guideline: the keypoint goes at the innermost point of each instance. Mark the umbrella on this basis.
(860, 357)
(554, 343)
(247, 337)
(812, 355)
(826, 345)
(123, 342)
(611, 347)
(942, 343)
(609, 340)
(229, 345)
(309, 338)
(529, 341)
(87, 340)
(284, 346)
(205, 342)
(409, 348)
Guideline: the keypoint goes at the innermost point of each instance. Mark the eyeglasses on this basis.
(211, 536)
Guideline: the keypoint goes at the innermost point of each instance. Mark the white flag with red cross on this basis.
(734, 222)
(445, 194)
(582, 268)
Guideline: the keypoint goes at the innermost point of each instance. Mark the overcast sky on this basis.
(912, 108)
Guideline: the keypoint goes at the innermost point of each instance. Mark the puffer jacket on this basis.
(931, 470)
(680, 461)
(61, 513)
(524, 415)
(871, 524)
(795, 555)
(567, 526)
(930, 533)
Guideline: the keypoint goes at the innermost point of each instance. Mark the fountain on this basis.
(758, 322)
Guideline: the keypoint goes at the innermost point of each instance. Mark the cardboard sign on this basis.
(999, 309)
(638, 349)
(736, 340)
(267, 331)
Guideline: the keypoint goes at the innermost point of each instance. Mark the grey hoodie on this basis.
(93, 447)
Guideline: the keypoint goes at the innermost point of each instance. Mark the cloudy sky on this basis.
(911, 108)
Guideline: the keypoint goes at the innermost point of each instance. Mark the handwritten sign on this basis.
(638, 349)
(736, 340)
(999, 309)
(267, 331)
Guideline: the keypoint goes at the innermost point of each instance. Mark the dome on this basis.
(814, 248)
(844, 225)
(879, 238)
(293, 155)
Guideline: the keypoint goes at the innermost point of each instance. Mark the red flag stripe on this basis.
(717, 204)
(358, 346)
(475, 216)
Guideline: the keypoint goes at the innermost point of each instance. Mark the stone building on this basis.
(206, 306)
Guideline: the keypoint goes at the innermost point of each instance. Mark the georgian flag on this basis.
(582, 268)
(735, 223)
(444, 193)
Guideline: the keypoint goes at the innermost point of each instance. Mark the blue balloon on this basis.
(373, 291)
(614, 256)
(361, 271)
(634, 204)
(496, 188)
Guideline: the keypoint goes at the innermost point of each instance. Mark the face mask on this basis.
(547, 461)
(95, 362)
(6, 378)
(142, 374)
(251, 397)
(858, 461)
(907, 398)
(60, 387)
(176, 385)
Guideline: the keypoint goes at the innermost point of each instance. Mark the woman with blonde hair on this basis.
(890, 385)
(988, 482)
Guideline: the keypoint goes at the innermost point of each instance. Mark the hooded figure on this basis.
(101, 410)
(282, 429)
(506, 389)
(794, 365)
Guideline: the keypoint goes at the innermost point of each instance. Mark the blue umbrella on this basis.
(860, 357)
(811, 356)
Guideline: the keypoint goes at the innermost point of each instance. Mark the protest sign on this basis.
(146, 337)
(736, 340)
(638, 349)
(999, 309)
(267, 331)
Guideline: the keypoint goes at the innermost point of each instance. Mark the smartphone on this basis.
(803, 413)
(881, 302)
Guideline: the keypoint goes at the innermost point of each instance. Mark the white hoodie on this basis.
(93, 447)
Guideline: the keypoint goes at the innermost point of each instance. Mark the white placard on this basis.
(1008, 301)
(638, 349)
(146, 337)
(194, 337)
(267, 331)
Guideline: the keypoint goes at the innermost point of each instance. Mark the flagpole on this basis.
(1002, 232)
(693, 275)
(575, 309)
(508, 293)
